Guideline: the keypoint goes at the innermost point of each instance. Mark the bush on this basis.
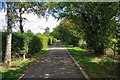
(18, 44)
(26, 43)
(50, 40)
(35, 45)
(118, 39)
(44, 40)
(4, 34)
(54, 40)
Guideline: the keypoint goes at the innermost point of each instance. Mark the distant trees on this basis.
(96, 20)
(47, 31)
(67, 32)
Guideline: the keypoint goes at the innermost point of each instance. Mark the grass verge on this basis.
(18, 67)
(95, 66)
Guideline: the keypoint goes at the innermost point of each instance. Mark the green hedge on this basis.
(26, 43)
(44, 40)
(3, 44)
(35, 45)
(54, 40)
(18, 44)
(49, 40)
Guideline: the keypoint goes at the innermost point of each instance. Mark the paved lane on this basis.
(55, 64)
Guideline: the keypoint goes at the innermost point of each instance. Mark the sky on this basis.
(35, 24)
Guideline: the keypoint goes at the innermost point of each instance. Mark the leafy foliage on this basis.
(35, 45)
(20, 8)
(44, 40)
(67, 33)
(50, 40)
(47, 31)
(18, 43)
(3, 44)
(97, 25)
(95, 20)
(118, 33)
(26, 43)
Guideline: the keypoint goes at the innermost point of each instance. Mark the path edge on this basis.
(79, 67)
(49, 49)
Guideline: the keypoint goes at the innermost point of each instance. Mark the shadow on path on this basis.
(55, 64)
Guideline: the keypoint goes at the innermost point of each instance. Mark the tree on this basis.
(47, 31)
(9, 35)
(27, 7)
(29, 31)
(22, 9)
(97, 25)
(19, 8)
(13, 9)
(67, 33)
(95, 19)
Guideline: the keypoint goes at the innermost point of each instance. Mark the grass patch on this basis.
(19, 66)
(94, 65)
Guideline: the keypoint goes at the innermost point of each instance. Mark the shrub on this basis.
(118, 39)
(50, 40)
(35, 45)
(26, 43)
(18, 44)
(44, 40)
(54, 40)
(4, 34)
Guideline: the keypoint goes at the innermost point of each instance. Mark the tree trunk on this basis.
(9, 36)
(24, 56)
(21, 26)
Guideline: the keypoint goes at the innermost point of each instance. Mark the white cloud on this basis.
(34, 23)
(39, 24)
(2, 19)
(2, 15)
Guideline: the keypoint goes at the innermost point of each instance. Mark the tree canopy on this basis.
(96, 20)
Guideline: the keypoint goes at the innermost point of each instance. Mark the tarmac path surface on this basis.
(55, 64)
